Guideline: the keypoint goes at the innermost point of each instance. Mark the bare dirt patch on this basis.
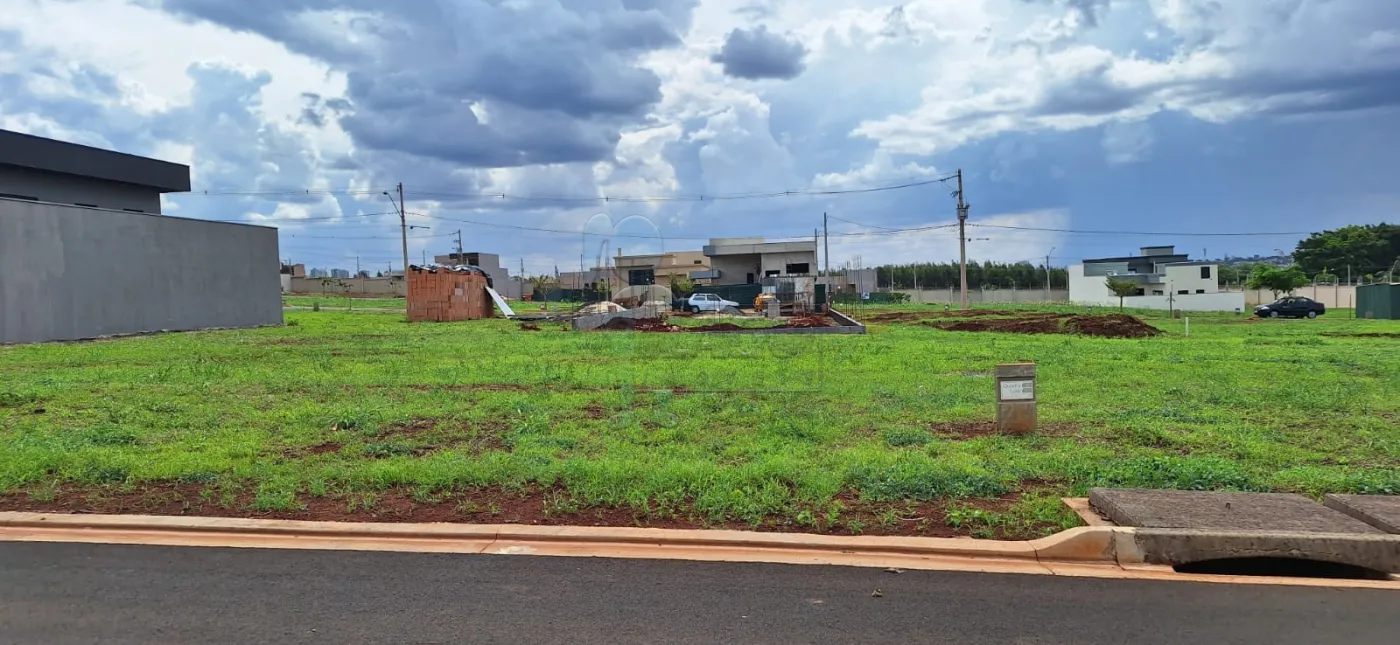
(638, 324)
(301, 452)
(895, 317)
(1100, 326)
(529, 327)
(715, 327)
(658, 325)
(407, 430)
(552, 506)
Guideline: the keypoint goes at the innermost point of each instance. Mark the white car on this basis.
(707, 302)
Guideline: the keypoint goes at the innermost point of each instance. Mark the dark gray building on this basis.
(38, 169)
(85, 251)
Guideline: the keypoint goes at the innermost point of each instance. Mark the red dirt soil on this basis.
(1100, 326)
(658, 325)
(532, 506)
(715, 327)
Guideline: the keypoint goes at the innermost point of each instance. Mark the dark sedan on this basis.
(1291, 307)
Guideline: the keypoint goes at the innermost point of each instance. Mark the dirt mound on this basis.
(658, 325)
(716, 327)
(894, 317)
(638, 324)
(1110, 326)
(1101, 326)
(915, 316)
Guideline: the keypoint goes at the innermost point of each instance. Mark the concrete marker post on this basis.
(1016, 398)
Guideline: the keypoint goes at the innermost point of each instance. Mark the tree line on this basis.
(980, 275)
(1368, 252)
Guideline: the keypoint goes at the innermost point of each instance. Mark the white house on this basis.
(1166, 280)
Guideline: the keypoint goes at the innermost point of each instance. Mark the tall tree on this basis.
(1366, 249)
(1276, 279)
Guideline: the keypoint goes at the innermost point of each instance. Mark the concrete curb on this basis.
(1078, 544)
(1093, 551)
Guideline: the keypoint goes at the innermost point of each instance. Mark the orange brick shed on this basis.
(440, 294)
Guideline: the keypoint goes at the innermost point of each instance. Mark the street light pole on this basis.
(962, 239)
(1047, 273)
(403, 229)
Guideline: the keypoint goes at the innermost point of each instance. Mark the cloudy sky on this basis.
(504, 117)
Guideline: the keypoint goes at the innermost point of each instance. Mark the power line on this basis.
(653, 237)
(682, 198)
(1144, 233)
(578, 198)
(376, 237)
(883, 228)
(330, 218)
(285, 192)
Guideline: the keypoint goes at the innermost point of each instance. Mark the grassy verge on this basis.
(359, 416)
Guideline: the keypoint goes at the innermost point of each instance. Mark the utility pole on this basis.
(460, 259)
(403, 230)
(826, 251)
(1047, 273)
(962, 239)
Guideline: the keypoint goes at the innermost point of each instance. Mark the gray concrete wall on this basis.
(734, 269)
(341, 286)
(68, 273)
(1333, 296)
(71, 189)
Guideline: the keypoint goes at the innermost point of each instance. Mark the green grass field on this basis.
(364, 416)
(333, 301)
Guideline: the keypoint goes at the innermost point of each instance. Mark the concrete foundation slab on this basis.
(1204, 510)
(1380, 511)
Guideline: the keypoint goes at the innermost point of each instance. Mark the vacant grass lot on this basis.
(361, 415)
(330, 301)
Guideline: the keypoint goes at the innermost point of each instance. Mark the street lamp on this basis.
(403, 227)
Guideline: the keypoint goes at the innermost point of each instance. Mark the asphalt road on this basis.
(77, 593)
